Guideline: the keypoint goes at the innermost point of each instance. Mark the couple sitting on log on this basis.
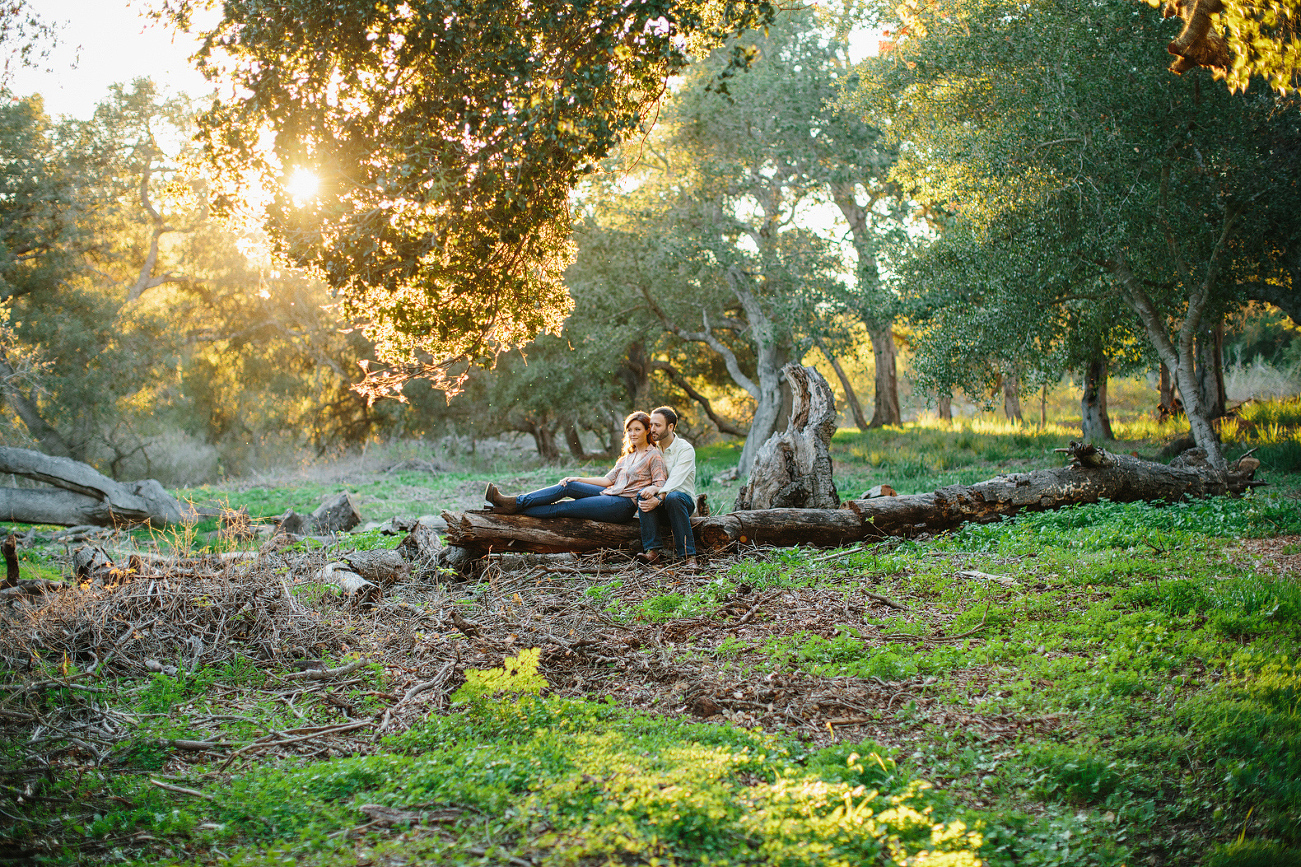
(655, 479)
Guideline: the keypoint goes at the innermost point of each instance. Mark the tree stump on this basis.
(793, 469)
(337, 515)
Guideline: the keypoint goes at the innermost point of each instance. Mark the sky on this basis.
(102, 42)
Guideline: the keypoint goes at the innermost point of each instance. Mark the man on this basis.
(675, 500)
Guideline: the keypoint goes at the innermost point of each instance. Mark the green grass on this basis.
(585, 782)
(1126, 689)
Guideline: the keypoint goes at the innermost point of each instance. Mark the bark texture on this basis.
(793, 469)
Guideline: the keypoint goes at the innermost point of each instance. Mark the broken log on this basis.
(421, 545)
(83, 495)
(381, 566)
(336, 515)
(1094, 475)
(793, 468)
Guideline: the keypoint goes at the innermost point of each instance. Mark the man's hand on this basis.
(649, 503)
(650, 491)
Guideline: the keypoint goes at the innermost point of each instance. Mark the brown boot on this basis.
(650, 558)
(501, 504)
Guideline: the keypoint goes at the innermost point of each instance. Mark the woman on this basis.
(611, 498)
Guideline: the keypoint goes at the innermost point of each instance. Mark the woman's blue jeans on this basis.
(589, 501)
(676, 511)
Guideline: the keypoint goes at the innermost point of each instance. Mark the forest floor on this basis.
(1108, 684)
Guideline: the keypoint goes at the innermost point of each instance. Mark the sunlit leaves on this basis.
(447, 136)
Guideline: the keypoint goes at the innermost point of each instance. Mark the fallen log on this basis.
(1094, 475)
(83, 495)
(487, 531)
(820, 528)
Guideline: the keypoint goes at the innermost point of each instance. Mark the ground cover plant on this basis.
(1105, 684)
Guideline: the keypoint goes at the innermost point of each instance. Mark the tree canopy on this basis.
(447, 137)
(1099, 178)
(1238, 40)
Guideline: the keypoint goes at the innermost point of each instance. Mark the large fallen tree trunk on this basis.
(1094, 475)
(82, 495)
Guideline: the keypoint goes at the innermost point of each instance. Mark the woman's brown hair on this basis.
(645, 423)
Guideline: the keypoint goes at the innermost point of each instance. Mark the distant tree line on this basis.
(1002, 223)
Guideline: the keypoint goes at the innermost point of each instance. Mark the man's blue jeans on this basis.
(676, 511)
(589, 501)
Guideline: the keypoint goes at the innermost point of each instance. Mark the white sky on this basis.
(103, 42)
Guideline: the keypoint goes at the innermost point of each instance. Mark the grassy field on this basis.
(1107, 684)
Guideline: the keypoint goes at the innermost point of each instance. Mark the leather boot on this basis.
(501, 504)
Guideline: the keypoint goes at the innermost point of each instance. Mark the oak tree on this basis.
(447, 136)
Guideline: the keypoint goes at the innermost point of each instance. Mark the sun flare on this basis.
(303, 186)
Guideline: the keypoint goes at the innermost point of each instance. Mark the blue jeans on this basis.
(589, 501)
(676, 510)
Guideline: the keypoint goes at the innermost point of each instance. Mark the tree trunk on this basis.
(1179, 354)
(485, 532)
(819, 528)
(850, 397)
(885, 403)
(574, 442)
(878, 321)
(86, 495)
(944, 408)
(1093, 403)
(1094, 475)
(1170, 405)
(1012, 395)
(636, 374)
(51, 441)
(723, 425)
(793, 469)
(771, 349)
(544, 438)
(768, 405)
(1210, 371)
